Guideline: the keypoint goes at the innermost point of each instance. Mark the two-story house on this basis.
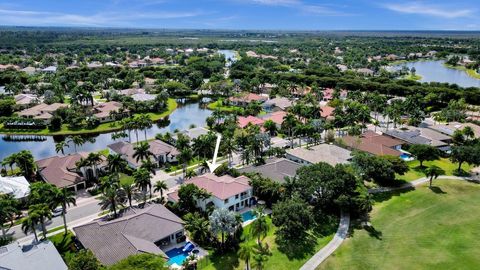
(226, 191)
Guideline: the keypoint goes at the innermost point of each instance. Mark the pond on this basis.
(230, 56)
(182, 118)
(435, 71)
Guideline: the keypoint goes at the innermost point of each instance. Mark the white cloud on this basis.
(302, 6)
(41, 18)
(278, 2)
(430, 10)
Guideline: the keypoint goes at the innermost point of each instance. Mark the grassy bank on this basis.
(218, 105)
(102, 128)
(283, 258)
(421, 229)
(412, 77)
(472, 73)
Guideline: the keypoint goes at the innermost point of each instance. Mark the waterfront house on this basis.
(104, 111)
(328, 153)
(42, 111)
(246, 98)
(162, 152)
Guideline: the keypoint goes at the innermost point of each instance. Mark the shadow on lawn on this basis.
(385, 196)
(298, 249)
(437, 190)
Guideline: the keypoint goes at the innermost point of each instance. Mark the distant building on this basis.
(38, 256)
(245, 99)
(277, 104)
(366, 71)
(192, 133)
(104, 111)
(42, 111)
(245, 121)
(50, 69)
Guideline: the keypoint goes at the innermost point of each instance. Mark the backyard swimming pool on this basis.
(248, 216)
(406, 157)
(177, 256)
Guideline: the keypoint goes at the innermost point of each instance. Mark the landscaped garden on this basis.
(416, 171)
(421, 229)
(280, 258)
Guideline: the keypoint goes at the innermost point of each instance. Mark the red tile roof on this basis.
(373, 143)
(327, 111)
(244, 121)
(276, 117)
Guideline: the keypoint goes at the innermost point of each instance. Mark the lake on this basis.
(435, 71)
(184, 116)
(230, 56)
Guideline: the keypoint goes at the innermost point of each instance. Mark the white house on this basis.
(226, 192)
(18, 186)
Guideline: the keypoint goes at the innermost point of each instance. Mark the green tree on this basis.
(143, 180)
(188, 195)
(197, 226)
(77, 141)
(433, 172)
(424, 152)
(270, 127)
(129, 192)
(160, 186)
(84, 260)
(259, 226)
(60, 147)
(184, 157)
(141, 261)
(142, 151)
(246, 252)
(465, 153)
(42, 212)
(294, 218)
(8, 210)
(111, 198)
(63, 198)
(116, 163)
(29, 224)
(223, 222)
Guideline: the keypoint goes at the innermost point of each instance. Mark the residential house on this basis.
(327, 112)
(366, 71)
(373, 143)
(276, 117)
(42, 111)
(244, 121)
(17, 186)
(192, 133)
(246, 99)
(104, 111)
(8, 66)
(25, 100)
(37, 256)
(153, 229)
(162, 152)
(275, 169)
(143, 97)
(29, 70)
(50, 69)
(62, 171)
(328, 94)
(420, 135)
(226, 192)
(450, 128)
(328, 153)
(131, 91)
(342, 68)
(277, 104)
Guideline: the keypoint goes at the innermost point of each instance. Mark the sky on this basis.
(246, 14)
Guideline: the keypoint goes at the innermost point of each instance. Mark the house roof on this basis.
(370, 145)
(222, 187)
(131, 91)
(41, 256)
(276, 117)
(419, 136)
(136, 231)
(328, 153)
(42, 110)
(157, 147)
(327, 112)
(244, 121)
(18, 186)
(281, 102)
(61, 171)
(143, 97)
(104, 109)
(275, 169)
(193, 133)
(25, 99)
(451, 127)
(247, 98)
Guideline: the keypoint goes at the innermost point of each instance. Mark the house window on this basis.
(226, 201)
(236, 196)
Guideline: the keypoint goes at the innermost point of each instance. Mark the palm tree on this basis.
(43, 212)
(94, 159)
(129, 192)
(116, 163)
(197, 226)
(160, 186)
(289, 124)
(184, 157)
(63, 197)
(433, 172)
(142, 151)
(271, 127)
(60, 147)
(29, 224)
(77, 141)
(111, 198)
(8, 209)
(143, 181)
(149, 166)
(145, 122)
(259, 226)
(245, 253)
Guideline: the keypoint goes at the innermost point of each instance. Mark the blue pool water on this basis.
(177, 256)
(248, 216)
(405, 156)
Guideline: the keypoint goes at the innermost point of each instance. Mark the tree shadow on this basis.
(224, 261)
(437, 190)
(385, 196)
(298, 248)
(373, 232)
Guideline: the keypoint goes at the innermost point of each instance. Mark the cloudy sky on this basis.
(246, 14)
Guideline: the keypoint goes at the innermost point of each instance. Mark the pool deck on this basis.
(202, 252)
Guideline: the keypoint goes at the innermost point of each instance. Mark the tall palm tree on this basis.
(111, 198)
(116, 163)
(184, 157)
(43, 212)
(142, 151)
(289, 124)
(197, 226)
(77, 141)
(143, 181)
(149, 166)
(29, 224)
(8, 209)
(160, 186)
(60, 147)
(145, 122)
(259, 227)
(63, 198)
(433, 172)
(245, 253)
(94, 159)
(129, 192)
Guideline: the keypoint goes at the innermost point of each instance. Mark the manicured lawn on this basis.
(420, 229)
(417, 172)
(287, 260)
(64, 243)
(218, 105)
(412, 77)
(102, 128)
(126, 179)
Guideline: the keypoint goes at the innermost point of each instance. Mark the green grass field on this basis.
(218, 105)
(126, 179)
(278, 261)
(413, 77)
(421, 229)
(102, 128)
(64, 243)
(417, 172)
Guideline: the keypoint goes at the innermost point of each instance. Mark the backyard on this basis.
(421, 229)
(416, 171)
(294, 258)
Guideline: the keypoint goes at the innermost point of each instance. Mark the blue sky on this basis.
(246, 14)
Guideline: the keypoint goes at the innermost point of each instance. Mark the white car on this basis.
(57, 212)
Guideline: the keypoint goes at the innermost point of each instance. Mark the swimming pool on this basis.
(248, 216)
(176, 256)
(406, 157)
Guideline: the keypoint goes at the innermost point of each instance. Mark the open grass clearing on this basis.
(416, 171)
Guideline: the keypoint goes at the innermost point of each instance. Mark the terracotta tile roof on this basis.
(244, 121)
(104, 109)
(373, 137)
(276, 117)
(327, 112)
(157, 147)
(135, 232)
(373, 144)
(61, 171)
(42, 110)
(221, 187)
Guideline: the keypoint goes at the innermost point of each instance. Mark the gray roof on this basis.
(328, 153)
(42, 256)
(419, 136)
(135, 232)
(18, 186)
(157, 147)
(193, 133)
(143, 97)
(281, 102)
(275, 169)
